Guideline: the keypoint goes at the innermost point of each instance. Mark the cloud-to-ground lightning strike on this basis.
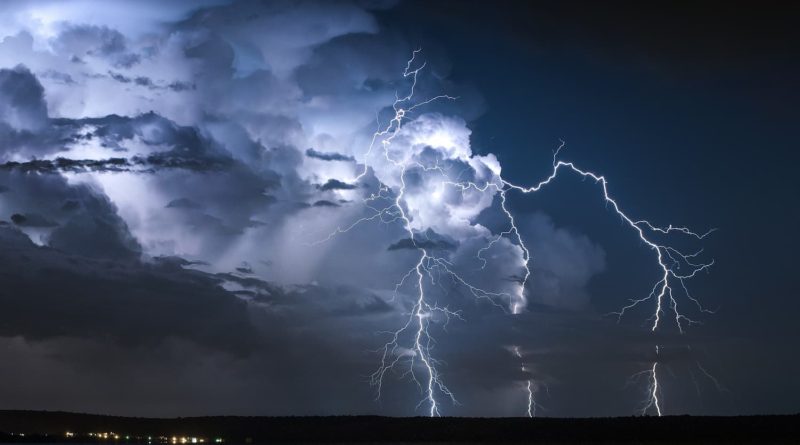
(676, 267)
(529, 385)
(651, 400)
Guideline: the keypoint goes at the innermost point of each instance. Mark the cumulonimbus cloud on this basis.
(169, 158)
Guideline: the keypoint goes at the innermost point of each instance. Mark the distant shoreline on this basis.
(57, 427)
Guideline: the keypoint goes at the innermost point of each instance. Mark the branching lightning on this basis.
(423, 368)
(651, 401)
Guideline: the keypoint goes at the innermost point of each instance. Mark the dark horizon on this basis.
(72, 428)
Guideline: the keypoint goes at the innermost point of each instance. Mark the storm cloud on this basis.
(311, 153)
(160, 208)
(187, 211)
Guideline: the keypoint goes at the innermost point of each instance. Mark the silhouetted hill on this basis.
(671, 429)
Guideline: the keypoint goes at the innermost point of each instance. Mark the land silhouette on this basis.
(43, 426)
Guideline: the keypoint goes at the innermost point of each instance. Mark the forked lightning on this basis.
(417, 356)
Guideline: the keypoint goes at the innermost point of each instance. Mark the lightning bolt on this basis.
(670, 260)
(422, 312)
(675, 266)
(530, 386)
(651, 401)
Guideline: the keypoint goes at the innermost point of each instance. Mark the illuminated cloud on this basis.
(162, 207)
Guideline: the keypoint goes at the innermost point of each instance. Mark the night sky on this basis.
(177, 181)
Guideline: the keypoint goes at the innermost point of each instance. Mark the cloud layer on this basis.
(168, 185)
